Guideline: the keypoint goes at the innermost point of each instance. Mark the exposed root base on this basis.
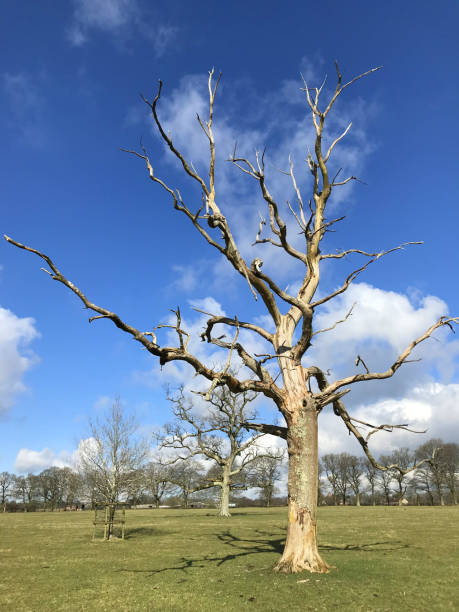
(289, 566)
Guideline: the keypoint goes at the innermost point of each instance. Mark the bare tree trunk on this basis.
(357, 499)
(224, 496)
(185, 499)
(269, 494)
(301, 551)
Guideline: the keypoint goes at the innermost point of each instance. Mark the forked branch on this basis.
(165, 353)
(355, 273)
(341, 411)
(401, 359)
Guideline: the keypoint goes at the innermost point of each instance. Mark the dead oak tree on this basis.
(298, 401)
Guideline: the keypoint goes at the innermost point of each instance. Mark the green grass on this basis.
(190, 560)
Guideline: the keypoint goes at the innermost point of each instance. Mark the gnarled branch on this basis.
(401, 359)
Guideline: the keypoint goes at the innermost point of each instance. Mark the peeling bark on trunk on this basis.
(224, 498)
(301, 552)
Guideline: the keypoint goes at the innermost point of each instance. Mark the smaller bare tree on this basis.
(188, 476)
(329, 465)
(371, 475)
(430, 475)
(355, 468)
(6, 484)
(156, 480)
(385, 480)
(399, 462)
(264, 473)
(110, 457)
(337, 467)
(20, 490)
(422, 483)
(450, 456)
(221, 436)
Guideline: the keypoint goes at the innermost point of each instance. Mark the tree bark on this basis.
(357, 499)
(301, 552)
(269, 495)
(224, 496)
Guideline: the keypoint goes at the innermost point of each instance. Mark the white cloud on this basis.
(26, 107)
(121, 19)
(162, 38)
(16, 334)
(102, 402)
(431, 406)
(105, 15)
(186, 278)
(28, 460)
(383, 323)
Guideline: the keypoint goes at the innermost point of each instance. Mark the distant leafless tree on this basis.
(385, 480)
(109, 458)
(264, 473)
(371, 474)
(404, 458)
(338, 470)
(157, 482)
(188, 476)
(6, 485)
(331, 469)
(431, 474)
(355, 470)
(221, 435)
(450, 458)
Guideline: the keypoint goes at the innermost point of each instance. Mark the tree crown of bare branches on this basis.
(295, 316)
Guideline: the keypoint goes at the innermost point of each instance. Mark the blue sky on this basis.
(70, 74)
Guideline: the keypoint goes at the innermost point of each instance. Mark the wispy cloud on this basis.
(102, 402)
(26, 107)
(122, 19)
(104, 15)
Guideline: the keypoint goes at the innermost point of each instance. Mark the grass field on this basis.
(191, 560)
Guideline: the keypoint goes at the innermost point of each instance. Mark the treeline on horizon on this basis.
(344, 480)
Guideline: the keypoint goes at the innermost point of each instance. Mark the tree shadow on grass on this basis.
(388, 545)
(242, 547)
(245, 547)
(236, 513)
(141, 532)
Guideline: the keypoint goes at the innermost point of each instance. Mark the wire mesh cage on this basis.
(111, 520)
